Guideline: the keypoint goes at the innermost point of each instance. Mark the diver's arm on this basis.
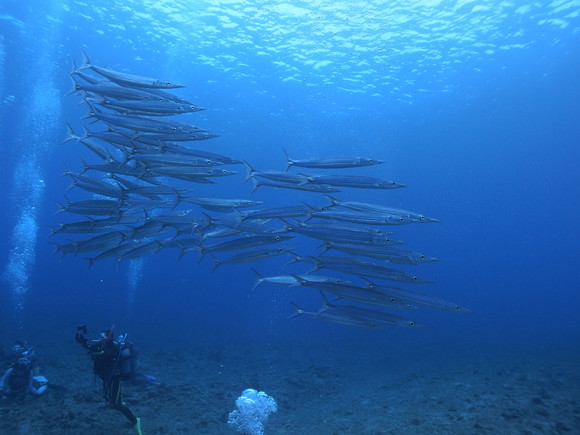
(33, 390)
(6, 376)
(82, 339)
(81, 336)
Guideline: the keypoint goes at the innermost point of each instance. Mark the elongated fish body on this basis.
(319, 188)
(141, 251)
(338, 318)
(179, 136)
(281, 177)
(358, 181)
(215, 157)
(375, 208)
(96, 225)
(375, 271)
(148, 125)
(417, 298)
(167, 96)
(92, 207)
(129, 79)
(148, 229)
(113, 252)
(385, 253)
(101, 242)
(359, 294)
(173, 159)
(340, 234)
(369, 314)
(222, 202)
(116, 168)
(245, 242)
(150, 107)
(294, 280)
(332, 162)
(355, 266)
(192, 171)
(112, 90)
(364, 218)
(96, 186)
(243, 257)
(277, 212)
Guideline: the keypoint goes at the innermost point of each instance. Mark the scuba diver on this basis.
(22, 375)
(114, 361)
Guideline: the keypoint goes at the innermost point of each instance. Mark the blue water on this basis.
(473, 104)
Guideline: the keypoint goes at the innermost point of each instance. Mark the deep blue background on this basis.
(495, 157)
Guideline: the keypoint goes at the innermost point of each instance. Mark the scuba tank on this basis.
(125, 358)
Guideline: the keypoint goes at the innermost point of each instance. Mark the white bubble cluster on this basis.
(253, 409)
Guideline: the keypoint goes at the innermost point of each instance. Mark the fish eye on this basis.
(392, 299)
(205, 135)
(277, 238)
(411, 323)
(167, 83)
(174, 129)
(402, 219)
(415, 278)
(192, 107)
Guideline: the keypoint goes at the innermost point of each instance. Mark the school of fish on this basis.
(141, 202)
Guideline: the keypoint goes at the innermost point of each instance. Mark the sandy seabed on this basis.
(319, 391)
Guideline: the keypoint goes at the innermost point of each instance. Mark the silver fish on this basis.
(332, 162)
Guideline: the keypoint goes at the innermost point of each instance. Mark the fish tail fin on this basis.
(70, 134)
(325, 247)
(216, 263)
(298, 311)
(202, 252)
(75, 85)
(86, 62)
(256, 185)
(61, 208)
(309, 210)
(251, 171)
(75, 68)
(258, 278)
(238, 218)
(73, 183)
(85, 167)
(56, 248)
(287, 225)
(326, 305)
(53, 230)
(332, 202)
(297, 258)
(289, 161)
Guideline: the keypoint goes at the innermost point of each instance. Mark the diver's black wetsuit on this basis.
(106, 355)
